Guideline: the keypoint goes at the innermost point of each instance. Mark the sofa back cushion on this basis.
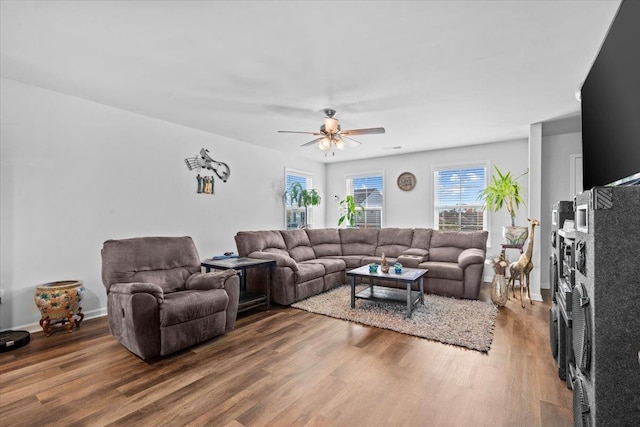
(298, 245)
(356, 241)
(446, 246)
(393, 241)
(421, 238)
(325, 242)
(164, 261)
(260, 241)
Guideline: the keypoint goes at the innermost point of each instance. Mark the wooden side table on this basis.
(248, 300)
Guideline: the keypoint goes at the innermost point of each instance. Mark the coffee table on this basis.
(409, 276)
(247, 300)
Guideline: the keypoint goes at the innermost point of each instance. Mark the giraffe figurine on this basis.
(521, 269)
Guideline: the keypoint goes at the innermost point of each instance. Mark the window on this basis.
(367, 191)
(295, 215)
(457, 203)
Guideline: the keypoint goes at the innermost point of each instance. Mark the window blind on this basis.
(457, 198)
(368, 192)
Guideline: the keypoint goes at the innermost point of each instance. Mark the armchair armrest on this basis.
(206, 281)
(137, 288)
(281, 260)
(470, 256)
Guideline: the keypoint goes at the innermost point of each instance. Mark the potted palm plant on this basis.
(504, 191)
(348, 209)
(303, 197)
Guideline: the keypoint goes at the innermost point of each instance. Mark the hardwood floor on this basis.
(289, 367)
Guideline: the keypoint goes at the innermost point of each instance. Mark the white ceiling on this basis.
(434, 74)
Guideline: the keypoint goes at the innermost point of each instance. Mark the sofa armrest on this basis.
(412, 257)
(207, 281)
(417, 252)
(138, 288)
(470, 256)
(281, 260)
(411, 261)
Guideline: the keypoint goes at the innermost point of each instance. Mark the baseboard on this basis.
(35, 327)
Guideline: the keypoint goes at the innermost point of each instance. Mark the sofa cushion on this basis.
(352, 261)
(331, 265)
(298, 245)
(325, 242)
(459, 239)
(393, 241)
(356, 241)
(443, 270)
(421, 238)
(257, 241)
(377, 260)
(309, 271)
(446, 254)
(180, 307)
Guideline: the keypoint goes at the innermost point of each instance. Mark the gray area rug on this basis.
(459, 322)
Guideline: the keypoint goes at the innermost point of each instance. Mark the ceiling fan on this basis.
(331, 134)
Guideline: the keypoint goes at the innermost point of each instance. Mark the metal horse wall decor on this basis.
(204, 161)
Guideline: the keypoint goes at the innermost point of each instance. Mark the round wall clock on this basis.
(406, 181)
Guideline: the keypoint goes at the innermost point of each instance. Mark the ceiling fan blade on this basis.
(368, 131)
(352, 142)
(294, 131)
(306, 144)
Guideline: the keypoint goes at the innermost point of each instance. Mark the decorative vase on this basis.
(499, 291)
(59, 302)
(373, 268)
(384, 267)
(515, 235)
(398, 267)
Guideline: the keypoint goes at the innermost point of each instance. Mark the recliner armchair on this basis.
(159, 301)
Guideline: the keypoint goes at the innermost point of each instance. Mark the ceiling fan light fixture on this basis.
(324, 144)
(331, 135)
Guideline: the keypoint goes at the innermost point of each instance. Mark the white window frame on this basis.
(369, 175)
(461, 166)
(309, 182)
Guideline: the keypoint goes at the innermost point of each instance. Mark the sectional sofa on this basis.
(311, 261)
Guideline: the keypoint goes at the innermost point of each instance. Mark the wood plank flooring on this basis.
(289, 367)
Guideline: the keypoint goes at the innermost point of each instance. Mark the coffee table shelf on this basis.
(384, 294)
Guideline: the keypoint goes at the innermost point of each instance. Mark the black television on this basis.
(610, 99)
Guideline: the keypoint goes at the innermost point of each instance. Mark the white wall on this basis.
(76, 173)
(415, 208)
(556, 179)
